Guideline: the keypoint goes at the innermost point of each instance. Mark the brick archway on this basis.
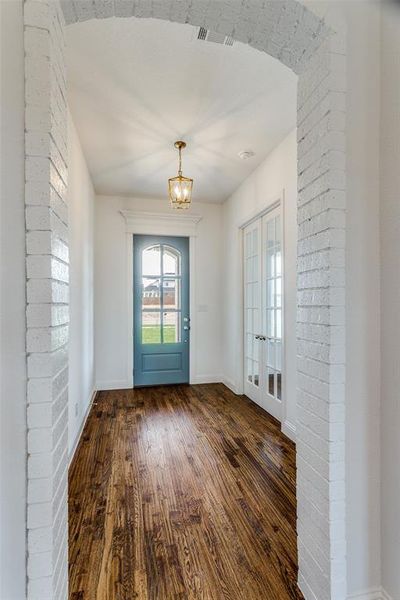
(299, 39)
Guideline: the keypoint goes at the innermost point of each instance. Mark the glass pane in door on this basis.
(151, 261)
(272, 305)
(252, 306)
(256, 377)
(271, 382)
(161, 295)
(171, 293)
(151, 293)
(171, 328)
(151, 327)
(171, 261)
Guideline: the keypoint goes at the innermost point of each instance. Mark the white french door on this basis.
(263, 311)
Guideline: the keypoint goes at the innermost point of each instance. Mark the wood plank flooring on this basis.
(182, 493)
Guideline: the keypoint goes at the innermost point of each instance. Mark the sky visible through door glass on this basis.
(151, 261)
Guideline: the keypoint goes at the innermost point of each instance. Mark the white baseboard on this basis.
(206, 379)
(231, 385)
(118, 384)
(289, 429)
(125, 384)
(372, 594)
(81, 428)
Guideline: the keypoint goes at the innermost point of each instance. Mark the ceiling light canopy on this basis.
(180, 187)
(246, 154)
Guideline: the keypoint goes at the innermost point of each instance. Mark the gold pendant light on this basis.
(180, 187)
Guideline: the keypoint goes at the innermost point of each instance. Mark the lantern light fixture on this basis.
(180, 187)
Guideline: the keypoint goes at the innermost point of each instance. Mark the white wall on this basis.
(390, 297)
(81, 223)
(363, 304)
(264, 186)
(113, 333)
(12, 323)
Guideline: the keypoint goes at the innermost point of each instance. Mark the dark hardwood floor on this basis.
(182, 492)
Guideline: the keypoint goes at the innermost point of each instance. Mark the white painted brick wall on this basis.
(294, 35)
(321, 326)
(47, 298)
(285, 28)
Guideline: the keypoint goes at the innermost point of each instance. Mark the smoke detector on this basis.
(205, 35)
(246, 154)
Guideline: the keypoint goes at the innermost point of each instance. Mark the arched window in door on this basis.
(161, 295)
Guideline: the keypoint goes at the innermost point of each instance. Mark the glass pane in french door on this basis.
(272, 303)
(252, 304)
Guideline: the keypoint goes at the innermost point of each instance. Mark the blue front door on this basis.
(161, 310)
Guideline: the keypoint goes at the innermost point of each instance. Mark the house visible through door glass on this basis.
(161, 296)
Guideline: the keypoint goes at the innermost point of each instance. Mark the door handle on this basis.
(186, 327)
(186, 319)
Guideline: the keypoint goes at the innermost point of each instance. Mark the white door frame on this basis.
(275, 202)
(144, 223)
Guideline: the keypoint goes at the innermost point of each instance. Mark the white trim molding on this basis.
(81, 428)
(231, 385)
(113, 384)
(289, 429)
(198, 379)
(129, 310)
(147, 223)
(270, 206)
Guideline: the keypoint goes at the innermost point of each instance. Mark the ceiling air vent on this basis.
(206, 35)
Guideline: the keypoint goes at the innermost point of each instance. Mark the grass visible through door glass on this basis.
(151, 334)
